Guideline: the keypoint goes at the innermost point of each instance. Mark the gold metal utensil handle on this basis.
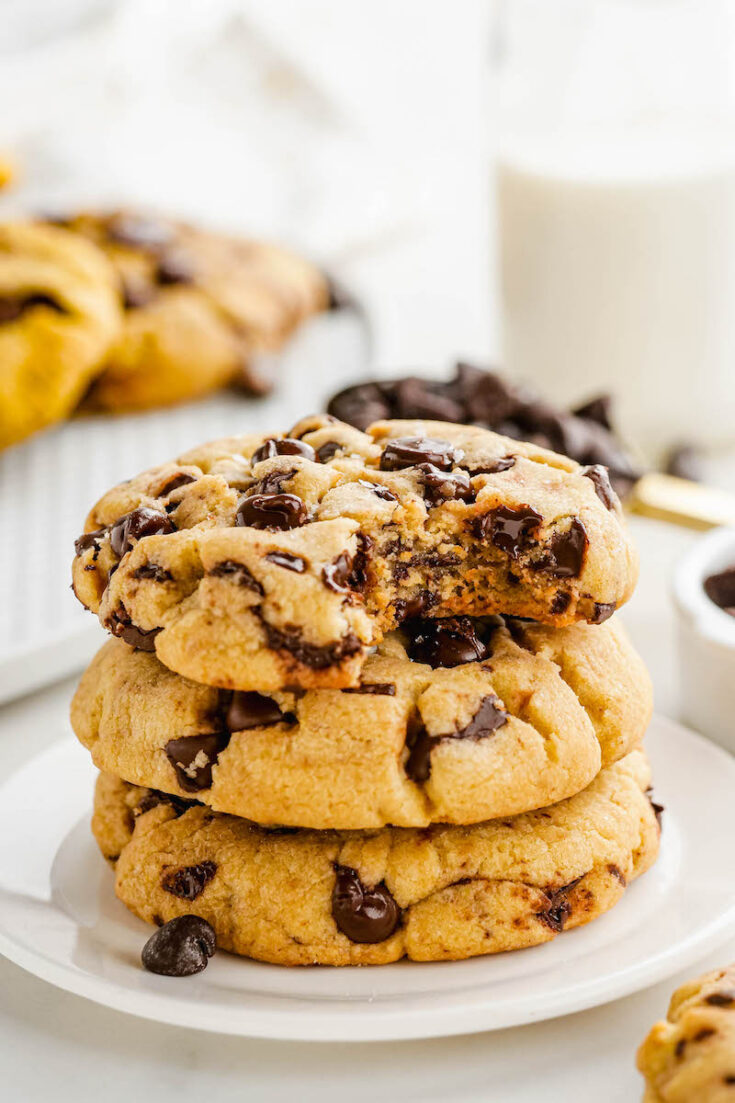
(683, 502)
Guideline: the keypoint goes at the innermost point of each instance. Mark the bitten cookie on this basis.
(198, 307)
(454, 721)
(690, 1057)
(59, 313)
(261, 562)
(349, 898)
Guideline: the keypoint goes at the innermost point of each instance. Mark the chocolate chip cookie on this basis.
(197, 306)
(261, 562)
(298, 897)
(454, 721)
(690, 1057)
(58, 314)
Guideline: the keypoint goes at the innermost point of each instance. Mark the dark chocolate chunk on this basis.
(13, 307)
(90, 540)
(446, 641)
(121, 626)
(360, 405)
(236, 572)
(567, 551)
(193, 757)
(489, 717)
(559, 909)
(271, 511)
(182, 479)
(379, 491)
(175, 266)
(382, 689)
(560, 602)
(289, 562)
(363, 914)
(600, 478)
(412, 607)
(138, 232)
(415, 398)
(603, 611)
(658, 809)
(493, 467)
(154, 797)
(510, 529)
(153, 572)
(597, 410)
(284, 446)
(720, 588)
(411, 451)
(188, 882)
(180, 948)
(135, 525)
(442, 486)
(617, 873)
(685, 461)
(328, 451)
(336, 575)
(312, 655)
(136, 293)
(721, 999)
(253, 710)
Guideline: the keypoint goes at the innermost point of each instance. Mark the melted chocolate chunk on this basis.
(600, 478)
(411, 451)
(287, 561)
(180, 948)
(193, 758)
(238, 573)
(658, 809)
(188, 882)
(720, 588)
(253, 710)
(139, 232)
(153, 572)
(175, 266)
(312, 655)
(285, 446)
(446, 641)
(328, 451)
(154, 797)
(182, 479)
(493, 467)
(559, 908)
(416, 606)
(271, 511)
(336, 575)
(135, 525)
(489, 717)
(509, 529)
(121, 626)
(443, 486)
(364, 915)
(382, 689)
(560, 602)
(381, 492)
(720, 999)
(90, 540)
(14, 307)
(603, 611)
(567, 551)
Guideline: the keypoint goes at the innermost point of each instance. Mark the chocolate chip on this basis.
(489, 717)
(328, 451)
(415, 398)
(567, 551)
(658, 809)
(360, 405)
(416, 606)
(181, 479)
(617, 873)
(153, 572)
(13, 307)
(597, 410)
(720, 999)
(154, 797)
(135, 525)
(271, 511)
(317, 657)
(492, 467)
(285, 446)
(603, 611)
(685, 461)
(560, 602)
(379, 491)
(237, 573)
(121, 626)
(364, 915)
(90, 540)
(336, 574)
(136, 293)
(253, 710)
(382, 689)
(411, 451)
(510, 529)
(287, 561)
(272, 483)
(175, 266)
(600, 478)
(194, 756)
(180, 948)
(188, 882)
(442, 486)
(559, 909)
(138, 232)
(446, 641)
(720, 588)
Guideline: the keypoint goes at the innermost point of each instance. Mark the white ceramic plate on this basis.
(60, 919)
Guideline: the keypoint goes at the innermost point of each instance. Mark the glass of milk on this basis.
(615, 194)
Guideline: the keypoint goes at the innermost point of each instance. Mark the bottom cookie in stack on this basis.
(301, 897)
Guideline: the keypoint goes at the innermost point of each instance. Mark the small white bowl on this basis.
(706, 640)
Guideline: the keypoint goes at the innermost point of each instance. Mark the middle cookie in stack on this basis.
(453, 732)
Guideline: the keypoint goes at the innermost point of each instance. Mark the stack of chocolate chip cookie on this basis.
(366, 696)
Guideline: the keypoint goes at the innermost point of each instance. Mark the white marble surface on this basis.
(54, 1045)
